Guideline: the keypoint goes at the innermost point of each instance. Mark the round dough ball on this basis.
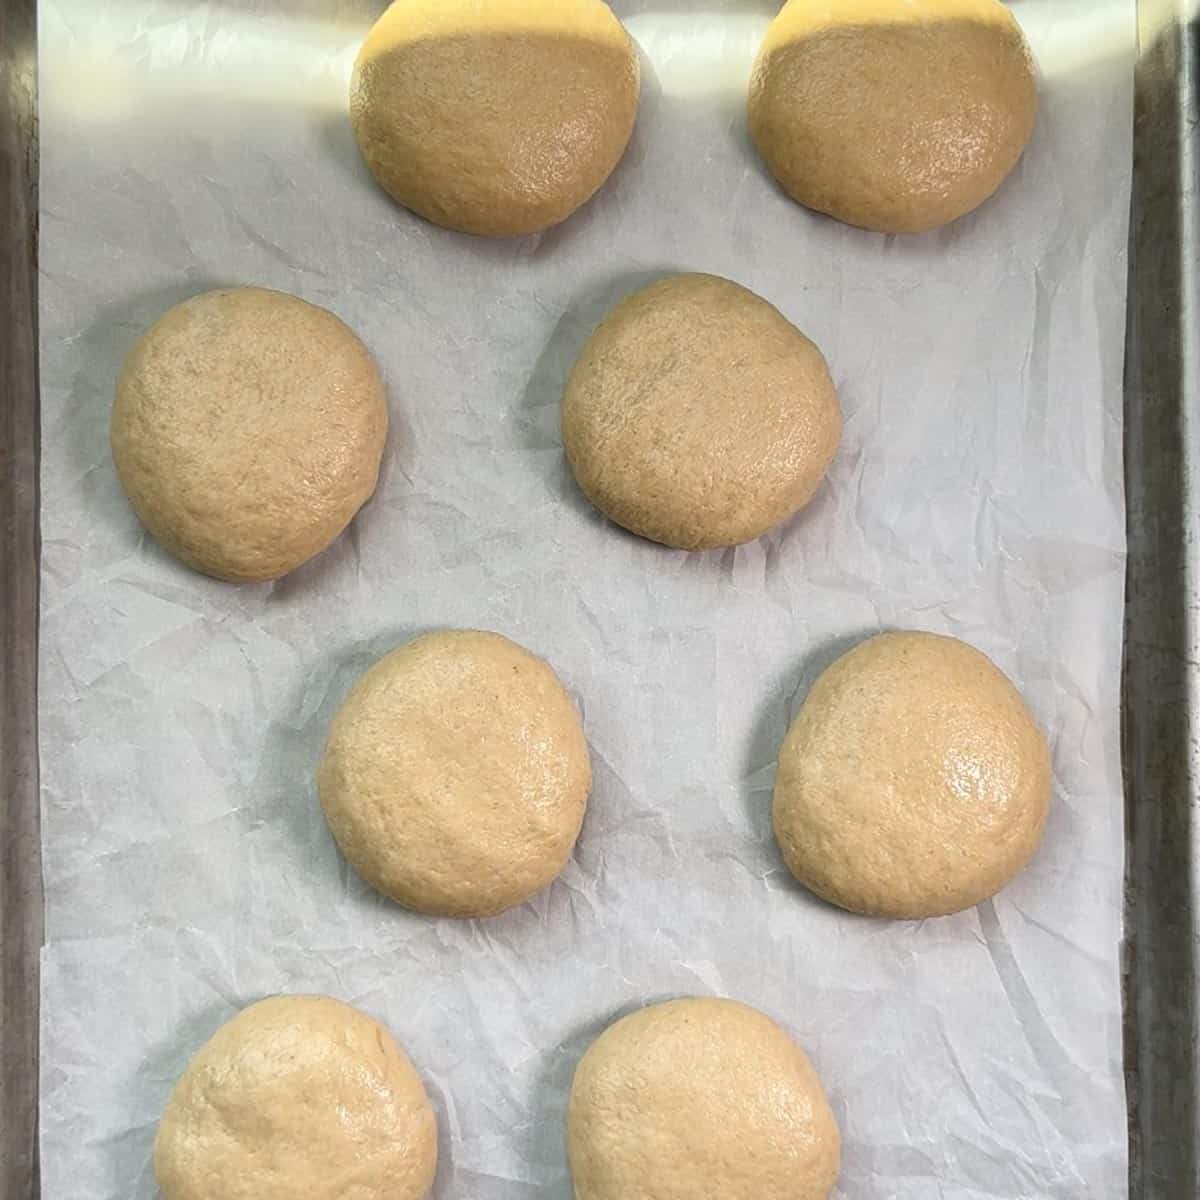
(497, 118)
(698, 1098)
(456, 775)
(697, 415)
(913, 782)
(297, 1096)
(248, 430)
(895, 115)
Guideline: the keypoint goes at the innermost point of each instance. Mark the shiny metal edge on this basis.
(21, 921)
(1161, 676)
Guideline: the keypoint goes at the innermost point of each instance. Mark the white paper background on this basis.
(977, 492)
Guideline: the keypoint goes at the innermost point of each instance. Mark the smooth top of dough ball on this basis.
(496, 117)
(913, 782)
(697, 415)
(894, 115)
(699, 1098)
(297, 1096)
(248, 430)
(456, 774)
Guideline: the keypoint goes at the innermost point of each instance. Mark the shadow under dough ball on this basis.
(247, 431)
(699, 1098)
(456, 775)
(913, 782)
(893, 115)
(297, 1096)
(698, 416)
(499, 118)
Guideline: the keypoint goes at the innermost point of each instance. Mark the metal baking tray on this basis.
(1160, 714)
(20, 844)
(1161, 742)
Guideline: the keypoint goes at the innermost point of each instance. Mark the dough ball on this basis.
(895, 115)
(456, 775)
(699, 1098)
(297, 1096)
(698, 416)
(247, 431)
(497, 118)
(913, 782)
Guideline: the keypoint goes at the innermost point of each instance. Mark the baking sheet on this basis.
(1161, 747)
(977, 492)
(20, 805)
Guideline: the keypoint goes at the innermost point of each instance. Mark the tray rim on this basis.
(21, 898)
(1160, 735)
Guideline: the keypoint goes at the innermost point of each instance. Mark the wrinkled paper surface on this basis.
(977, 492)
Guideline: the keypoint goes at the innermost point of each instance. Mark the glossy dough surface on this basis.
(456, 774)
(699, 1098)
(697, 415)
(247, 431)
(913, 782)
(497, 117)
(894, 115)
(297, 1096)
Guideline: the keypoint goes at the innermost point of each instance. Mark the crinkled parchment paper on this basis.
(977, 492)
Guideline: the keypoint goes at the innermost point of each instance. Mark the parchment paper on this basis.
(977, 492)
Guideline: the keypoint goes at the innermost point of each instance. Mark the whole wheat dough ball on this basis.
(297, 1096)
(697, 415)
(496, 117)
(699, 1098)
(913, 782)
(248, 430)
(456, 775)
(894, 115)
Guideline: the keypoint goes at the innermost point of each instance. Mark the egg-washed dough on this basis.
(894, 115)
(495, 117)
(247, 431)
(297, 1096)
(913, 782)
(699, 1098)
(456, 775)
(697, 415)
